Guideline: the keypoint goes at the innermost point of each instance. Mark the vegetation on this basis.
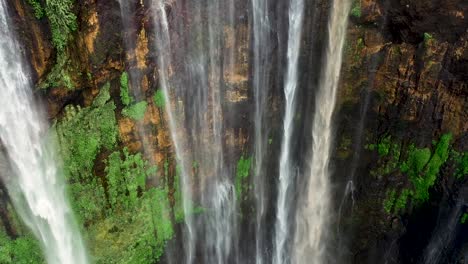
(136, 111)
(242, 174)
(126, 221)
(37, 8)
(461, 163)
(159, 99)
(464, 218)
(124, 92)
(21, 250)
(421, 165)
(62, 21)
(356, 9)
(427, 38)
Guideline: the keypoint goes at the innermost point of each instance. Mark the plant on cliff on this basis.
(242, 174)
(37, 8)
(356, 9)
(136, 111)
(20, 250)
(124, 92)
(159, 99)
(126, 177)
(62, 21)
(464, 218)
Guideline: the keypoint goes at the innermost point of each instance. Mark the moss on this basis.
(389, 201)
(60, 74)
(82, 134)
(124, 92)
(126, 177)
(461, 163)
(158, 99)
(427, 38)
(356, 9)
(21, 250)
(242, 173)
(422, 165)
(464, 218)
(37, 8)
(136, 111)
(103, 97)
(62, 21)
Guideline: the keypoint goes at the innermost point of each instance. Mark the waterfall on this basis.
(261, 62)
(195, 114)
(296, 13)
(164, 62)
(36, 187)
(313, 215)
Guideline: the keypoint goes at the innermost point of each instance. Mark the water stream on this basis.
(286, 178)
(314, 212)
(36, 186)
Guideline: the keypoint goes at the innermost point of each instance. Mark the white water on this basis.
(296, 14)
(36, 187)
(261, 64)
(163, 44)
(313, 215)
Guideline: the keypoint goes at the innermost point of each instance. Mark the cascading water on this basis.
(261, 64)
(198, 111)
(35, 187)
(312, 215)
(296, 13)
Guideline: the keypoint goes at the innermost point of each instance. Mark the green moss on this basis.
(356, 9)
(422, 165)
(427, 38)
(124, 92)
(464, 218)
(37, 8)
(59, 75)
(389, 201)
(126, 177)
(400, 202)
(159, 99)
(21, 250)
(136, 111)
(62, 21)
(461, 163)
(81, 135)
(242, 174)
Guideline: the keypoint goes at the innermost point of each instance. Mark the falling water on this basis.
(296, 13)
(164, 62)
(36, 189)
(194, 96)
(312, 215)
(261, 60)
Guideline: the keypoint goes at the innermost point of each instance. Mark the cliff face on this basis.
(403, 88)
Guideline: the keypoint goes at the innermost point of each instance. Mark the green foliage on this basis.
(461, 163)
(22, 250)
(103, 97)
(159, 99)
(126, 177)
(389, 201)
(464, 218)
(62, 21)
(242, 173)
(427, 37)
(124, 92)
(356, 9)
(400, 203)
(421, 166)
(82, 134)
(137, 235)
(37, 7)
(135, 111)
(59, 75)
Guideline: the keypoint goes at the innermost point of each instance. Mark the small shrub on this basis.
(136, 111)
